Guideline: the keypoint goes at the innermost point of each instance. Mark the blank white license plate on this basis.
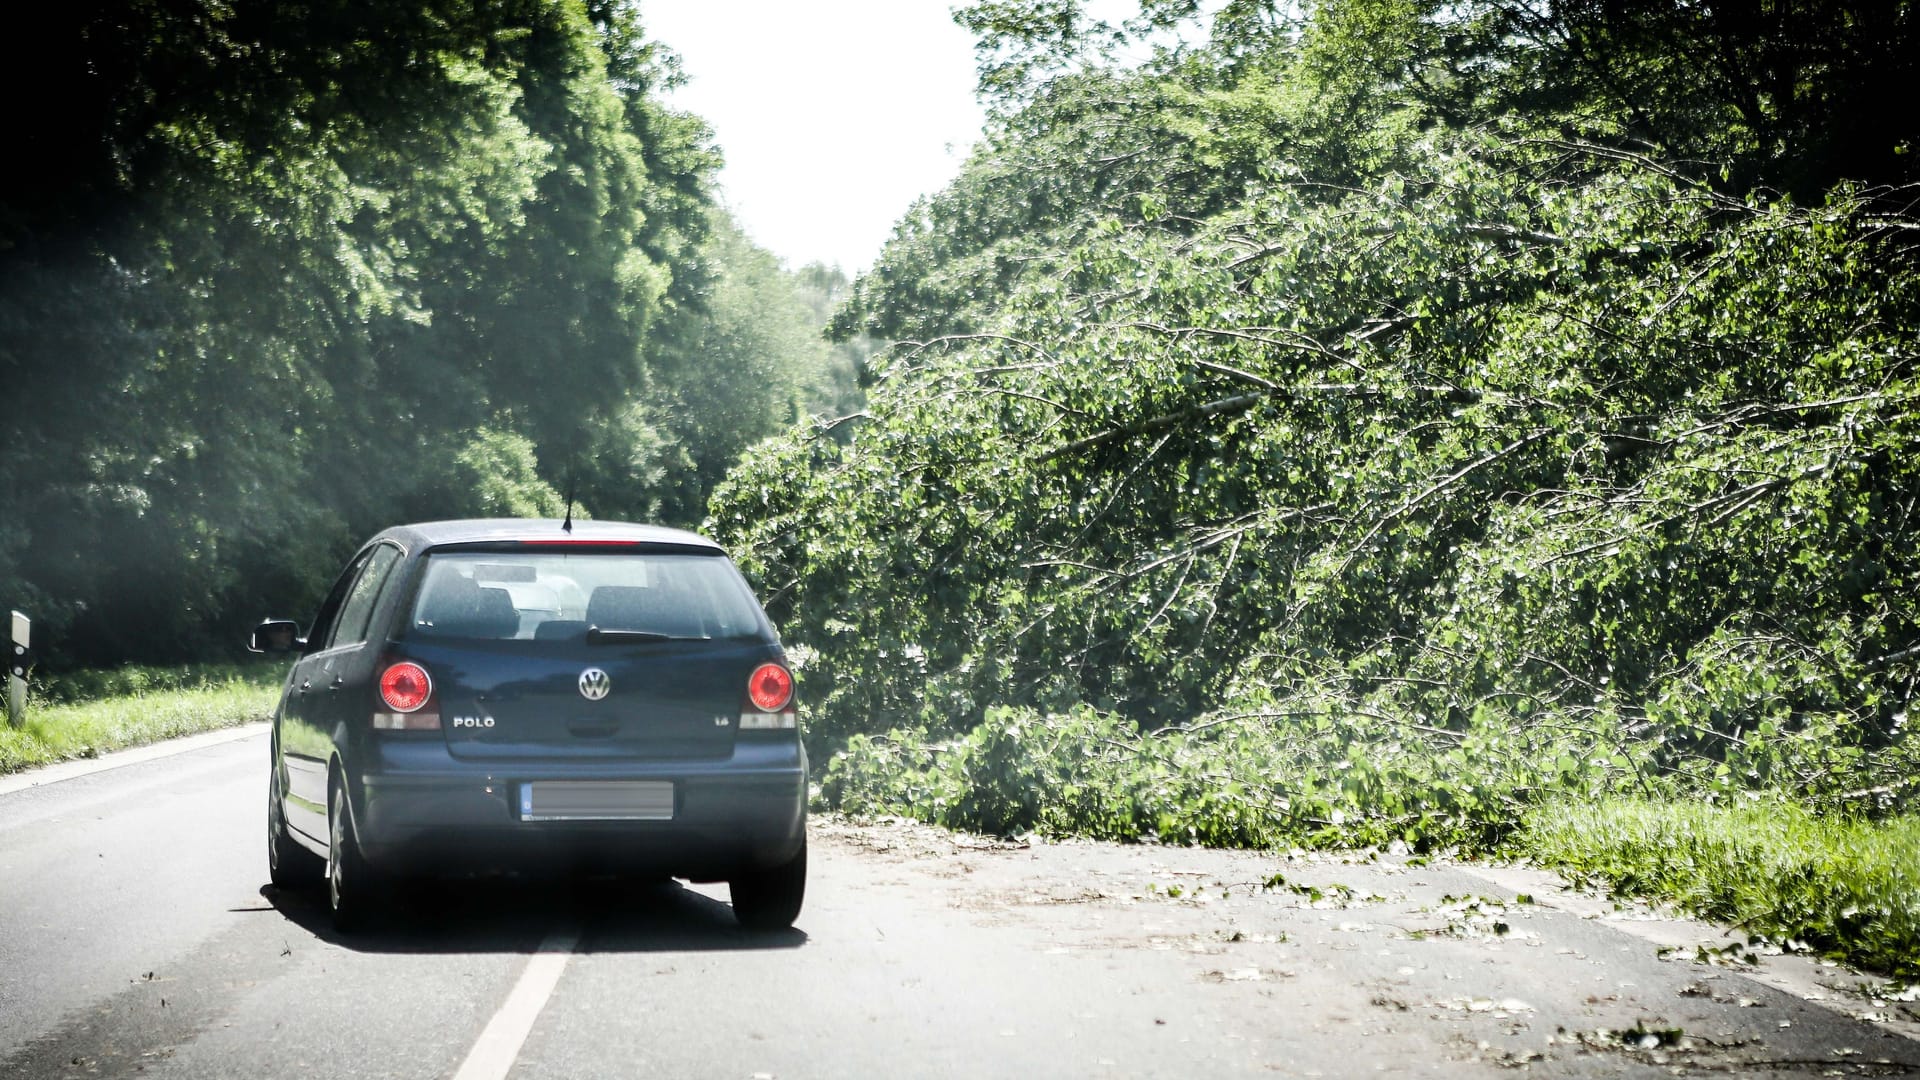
(597, 800)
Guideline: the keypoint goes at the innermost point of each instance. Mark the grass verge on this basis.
(187, 705)
(1848, 889)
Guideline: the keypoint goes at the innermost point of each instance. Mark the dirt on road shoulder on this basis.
(1456, 965)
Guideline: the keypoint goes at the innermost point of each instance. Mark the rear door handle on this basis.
(306, 685)
(338, 682)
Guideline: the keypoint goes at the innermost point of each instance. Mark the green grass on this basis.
(99, 684)
(1848, 889)
(176, 702)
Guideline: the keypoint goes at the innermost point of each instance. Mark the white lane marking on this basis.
(499, 1044)
(68, 770)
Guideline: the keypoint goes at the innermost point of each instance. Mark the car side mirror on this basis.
(274, 636)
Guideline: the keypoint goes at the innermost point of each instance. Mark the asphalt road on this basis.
(138, 938)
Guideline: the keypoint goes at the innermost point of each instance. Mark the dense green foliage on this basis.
(1369, 426)
(1231, 781)
(273, 277)
(1841, 888)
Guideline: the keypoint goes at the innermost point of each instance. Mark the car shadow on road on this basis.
(513, 915)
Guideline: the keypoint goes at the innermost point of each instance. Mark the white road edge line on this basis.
(494, 1053)
(70, 770)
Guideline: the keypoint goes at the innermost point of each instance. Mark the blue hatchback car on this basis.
(515, 695)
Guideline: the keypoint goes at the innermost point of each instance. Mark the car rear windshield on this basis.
(557, 597)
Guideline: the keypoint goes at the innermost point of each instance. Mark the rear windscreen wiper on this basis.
(598, 636)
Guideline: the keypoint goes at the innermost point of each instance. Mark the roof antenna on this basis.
(567, 525)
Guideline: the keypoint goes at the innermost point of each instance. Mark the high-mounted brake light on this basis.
(770, 687)
(579, 543)
(405, 686)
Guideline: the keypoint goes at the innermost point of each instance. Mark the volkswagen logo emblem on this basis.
(594, 684)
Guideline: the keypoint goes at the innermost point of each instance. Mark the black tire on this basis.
(354, 890)
(289, 866)
(770, 899)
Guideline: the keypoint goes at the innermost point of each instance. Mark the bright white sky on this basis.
(834, 115)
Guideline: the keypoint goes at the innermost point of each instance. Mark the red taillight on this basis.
(405, 686)
(770, 687)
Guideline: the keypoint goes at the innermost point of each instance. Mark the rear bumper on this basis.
(417, 809)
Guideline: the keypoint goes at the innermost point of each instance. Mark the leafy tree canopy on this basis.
(272, 277)
(1453, 375)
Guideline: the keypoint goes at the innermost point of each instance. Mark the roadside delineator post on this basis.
(19, 659)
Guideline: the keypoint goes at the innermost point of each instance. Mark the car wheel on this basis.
(353, 888)
(289, 866)
(770, 899)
